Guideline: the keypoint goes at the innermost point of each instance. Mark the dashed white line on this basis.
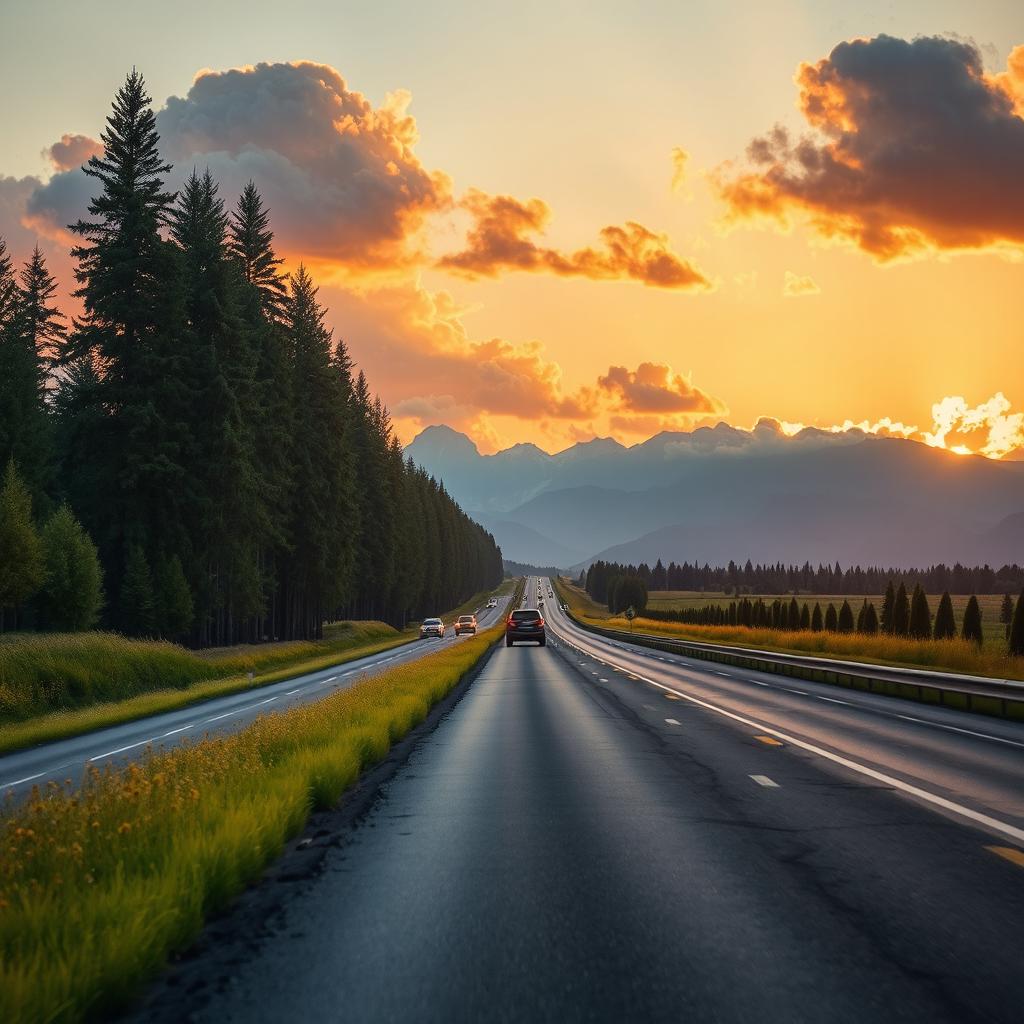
(763, 780)
(832, 700)
(672, 721)
(121, 750)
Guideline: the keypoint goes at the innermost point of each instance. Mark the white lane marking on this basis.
(757, 682)
(181, 728)
(763, 780)
(953, 728)
(28, 778)
(227, 714)
(672, 721)
(832, 700)
(290, 692)
(603, 680)
(803, 693)
(1004, 828)
(121, 750)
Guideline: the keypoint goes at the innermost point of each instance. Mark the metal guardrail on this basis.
(997, 698)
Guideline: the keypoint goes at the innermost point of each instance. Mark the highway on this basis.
(66, 759)
(596, 833)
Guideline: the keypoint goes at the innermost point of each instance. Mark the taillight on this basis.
(508, 621)
(540, 622)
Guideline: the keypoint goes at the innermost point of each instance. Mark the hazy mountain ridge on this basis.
(720, 493)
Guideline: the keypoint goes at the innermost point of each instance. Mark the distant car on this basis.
(432, 627)
(465, 624)
(493, 603)
(524, 624)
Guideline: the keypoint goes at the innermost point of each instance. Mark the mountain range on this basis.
(721, 492)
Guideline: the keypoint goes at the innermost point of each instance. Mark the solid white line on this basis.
(1004, 828)
(953, 728)
(672, 721)
(173, 731)
(28, 778)
(763, 780)
(121, 750)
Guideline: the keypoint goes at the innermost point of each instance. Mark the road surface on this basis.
(598, 834)
(63, 759)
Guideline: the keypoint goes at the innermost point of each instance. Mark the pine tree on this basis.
(920, 627)
(252, 245)
(1006, 613)
(805, 617)
(870, 620)
(41, 323)
(816, 623)
(22, 565)
(971, 629)
(861, 615)
(901, 612)
(844, 623)
(1015, 643)
(889, 609)
(8, 286)
(945, 621)
(831, 619)
(173, 607)
(72, 595)
(136, 612)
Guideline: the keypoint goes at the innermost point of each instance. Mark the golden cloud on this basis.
(795, 285)
(499, 240)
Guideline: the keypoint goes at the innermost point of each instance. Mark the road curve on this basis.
(63, 759)
(570, 844)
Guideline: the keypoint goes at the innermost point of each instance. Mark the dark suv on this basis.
(524, 624)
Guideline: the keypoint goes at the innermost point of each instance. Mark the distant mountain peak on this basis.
(440, 439)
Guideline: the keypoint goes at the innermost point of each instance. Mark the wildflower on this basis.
(123, 828)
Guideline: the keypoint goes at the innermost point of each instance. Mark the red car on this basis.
(524, 624)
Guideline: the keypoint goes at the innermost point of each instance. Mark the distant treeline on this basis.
(526, 569)
(235, 478)
(791, 579)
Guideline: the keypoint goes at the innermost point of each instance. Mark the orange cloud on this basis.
(499, 240)
(656, 388)
(914, 148)
(795, 285)
(71, 151)
(679, 160)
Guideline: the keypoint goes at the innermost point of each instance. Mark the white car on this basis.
(432, 627)
(493, 603)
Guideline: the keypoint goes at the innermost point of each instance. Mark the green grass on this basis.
(98, 887)
(942, 655)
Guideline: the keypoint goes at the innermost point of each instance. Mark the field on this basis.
(945, 655)
(995, 638)
(100, 885)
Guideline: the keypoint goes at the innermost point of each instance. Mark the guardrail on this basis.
(993, 697)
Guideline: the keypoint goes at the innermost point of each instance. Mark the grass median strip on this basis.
(100, 885)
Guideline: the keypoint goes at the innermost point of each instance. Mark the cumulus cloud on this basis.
(679, 161)
(795, 285)
(71, 151)
(990, 427)
(500, 239)
(656, 388)
(913, 147)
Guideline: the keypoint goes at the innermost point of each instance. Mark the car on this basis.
(493, 603)
(525, 624)
(465, 624)
(432, 627)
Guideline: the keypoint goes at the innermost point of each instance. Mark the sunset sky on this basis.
(548, 222)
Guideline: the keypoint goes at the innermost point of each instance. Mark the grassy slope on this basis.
(945, 655)
(99, 887)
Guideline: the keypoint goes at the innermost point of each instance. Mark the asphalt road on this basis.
(64, 759)
(601, 835)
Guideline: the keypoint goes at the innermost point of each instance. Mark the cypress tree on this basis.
(844, 622)
(920, 615)
(901, 612)
(861, 615)
(1006, 614)
(888, 609)
(831, 619)
(22, 565)
(816, 623)
(945, 621)
(971, 629)
(805, 617)
(870, 619)
(72, 595)
(1015, 643)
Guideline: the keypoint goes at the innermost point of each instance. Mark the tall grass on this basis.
(46, 672)
(99, 885)
(941, 655)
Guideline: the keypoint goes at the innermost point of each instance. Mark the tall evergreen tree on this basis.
(945, 621)
(40, 321)
(1006, 613)
(1015, 643)
(816, 621)
(870, 620)
(805, 617)
(844, 623)
(971, 629)
(920, 627)
(901, 612)
(252, 245)
(888, 609)
(22, 565)
(137, 613)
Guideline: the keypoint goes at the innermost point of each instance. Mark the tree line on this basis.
(230, 474)
(825, 579)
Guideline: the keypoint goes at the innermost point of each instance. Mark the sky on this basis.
(553, 221)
